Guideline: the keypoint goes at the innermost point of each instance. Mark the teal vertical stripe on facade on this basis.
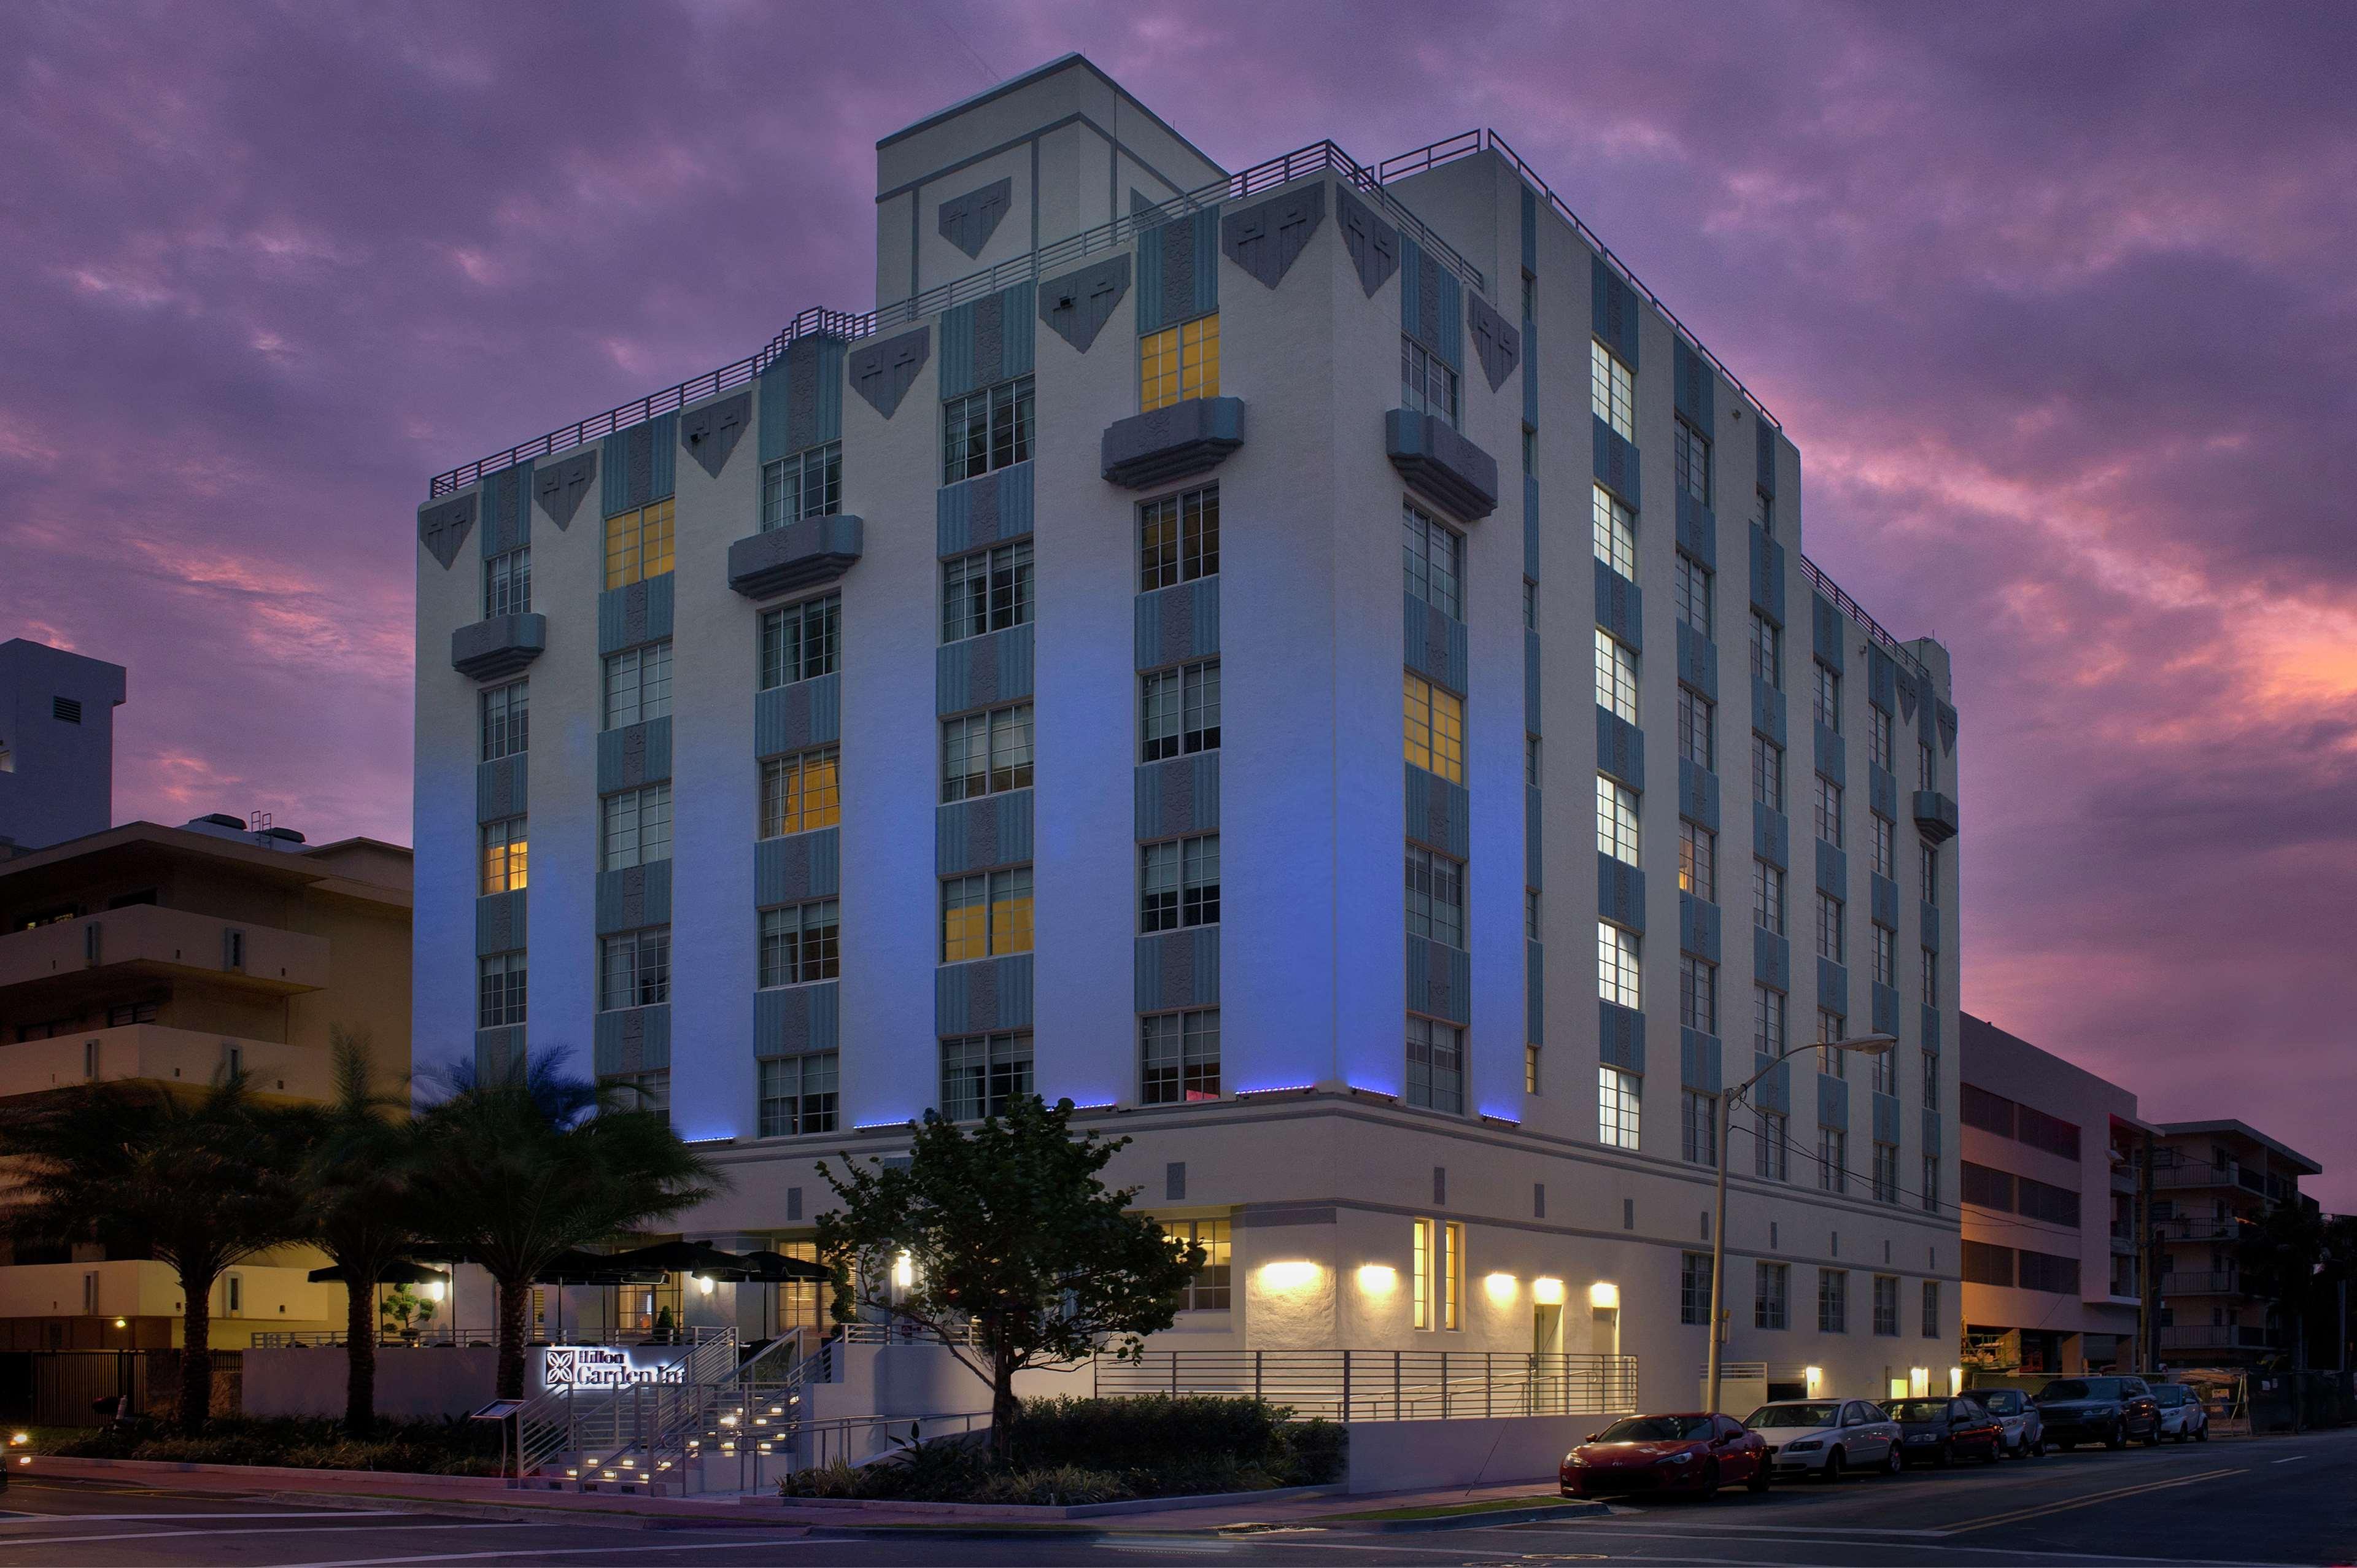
(1411, 269)
(1534, 992)
(1774, 1092)
(1698, 1060)
(1832, 1101)
(1620, 1036)
(1451, 334)
(957, 346)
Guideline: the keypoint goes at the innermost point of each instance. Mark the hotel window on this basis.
(1767, 898)
(1616, 534)
(1534, 915)
(1767, 651)
(1931, 1310)
(1693, 454)
(801, 642)
(1529, 1069)
(1692, 585)
(1616, 965)
(1697, 729)
(798, 1094)
(1772, 1160)
(1615, 819)
(1436, 562)
(638, 545)
(1436, 898)
(1929, 858)
(1886, 846)
(808, 484)
(1930, 978)
(1533, 756)
(1616, 1108)
(1615, 677)
(1885, 1176)
(1767, 772)
(1698, 861)
(986, 754)
(635, 970)
(1882, 1071)
(499, 990)
(801, 792)
(1763, 505)
(1831, 1026)
(1435, 729)
(506, 584)
(1178, 362)
(1771, 1300)
(1930, 1081)
(1927, 772)
(1181, 1053)
(988, 591)
(1831, 929)
(1178, 883)
(1832, 1301)
(1828, 699)
(1612, 390)
(1698, 994)
(1832, 1160)
(1886, 955)
(506, 719)
(983, 1074)
(649, 1091)
(1436, 1065)
(1177, 539)
(1209, 1290)
(1930, 1189)
(1877, 738)
(636, 828)
(132, 1012)
(986, 430)
(1530, 606)
(800, 943)
(1180, 709)
(1420, 1274)
(505, 854)
(1886, 1305)
(1768, 1005)
(1427, 384)
(986, 915)
(1829, 811)
(638, 685)
(1698, 1127)
(1694, 1288)
(1452, 1275)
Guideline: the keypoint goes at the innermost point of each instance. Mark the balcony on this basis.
(802, 554)
(501, 646)
(2194, 1175)
(2206, 1282)
(2212, 1337)
(148, 939)
(154, 1053)
(1190, 438)
(1935, 816)
(1433, 457)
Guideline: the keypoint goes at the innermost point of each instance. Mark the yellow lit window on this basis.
(638, 544)
(799, 793)
(1424, 1274)
(504, 855)
(1435, 729)
(1178, 362)
(984, 916)
(1452, 1273)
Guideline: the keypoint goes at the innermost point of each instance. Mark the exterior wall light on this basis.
(1378, 1279)
(704, 1285)
(1288, 1277)
(1919, 1381)
(1955, 1381)
(1604, 1296)
(1502, 1287)
(1547, 1290)
(1815, 1377)
(122, 1323)
(904, 1272)
(1897, 1387)
(436, 1290)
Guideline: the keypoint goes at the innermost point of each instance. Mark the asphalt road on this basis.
(2274, 1500)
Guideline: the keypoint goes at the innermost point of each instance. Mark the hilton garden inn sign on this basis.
(602, 1367)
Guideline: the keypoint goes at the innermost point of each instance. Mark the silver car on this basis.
(2182, 1417)
(1826, 1437)
(2024, 1429)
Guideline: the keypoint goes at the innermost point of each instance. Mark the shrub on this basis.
(1153, 1431)
(416, 1447)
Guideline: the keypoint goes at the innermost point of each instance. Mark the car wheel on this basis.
(1831, 1475)
(1709, 1482)
(2034, 1450)
(1760, 1473)
(2201, 1433)
(1995, 1451)
(2118, 1438)
(1897, 1465)
(2152, 1439)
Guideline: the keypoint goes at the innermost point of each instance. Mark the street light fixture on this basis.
(1861, 1044)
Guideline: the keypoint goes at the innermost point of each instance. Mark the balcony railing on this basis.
(2203, 1281)
(2192, 1175)
(153, 1053)
(1874, 629)
(2211, 1336)
(1387, 1385)
(150, 937)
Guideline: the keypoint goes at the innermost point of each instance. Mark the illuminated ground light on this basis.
(1547, 1290)
(1289, 1276)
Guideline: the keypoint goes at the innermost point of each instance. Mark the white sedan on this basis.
(1826, 1437)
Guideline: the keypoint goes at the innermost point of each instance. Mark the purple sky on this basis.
(2058, 301)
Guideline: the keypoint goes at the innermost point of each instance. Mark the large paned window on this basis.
(1697, 860)
(1435, 729)
(1616, 534)
(1694, 1288)
(1831, 1026)
(1697, 1127)
(1436, 1065)
(1178, 362)
(1178, 883)
(989, 590)
(1886, 846)
(1930, 978)
(1877, 739)
(808, 484)
(499, 990)
(1828, 700)
(1697, 729)
(1692, 452)
(1772, 1160)
(800, 942)
(635, 969)
(1931, 1310)
(1616, 819)
(1833, 929)
(985, 915)
(1612, 388)
(649, 1091)
(986, 754)
(1767, 1009)
(636, 827)
(1209, 1289)
(1929, 858)
(1698, 994)
(506, 584)
(1177, 539)
(506, 719)
(1436, 898)
(982, 1074)
(1427, 384)
(1181, 1056)
(1832, 1301)
(1616, 965)
(986, 430)
(1886, 1180)
(1767, 772)
(1886, 956)
(1435, 561)
(1832, 1160)
(1617, 1095)
(638, 544)
(1767, 898)
(1616, 676)
(1767, 651)
(1771, 1295)
(801, 792)
(638, 685)
(1180, 710)
(798, 1094)
(1692, 585)
(1829, 811)
(799, 642)
(506, 855)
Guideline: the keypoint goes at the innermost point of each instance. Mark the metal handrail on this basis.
(1386, 1385)
(1849, 607)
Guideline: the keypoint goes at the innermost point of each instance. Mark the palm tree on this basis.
(199, 1181)
(361, 1204)
(517, 1169)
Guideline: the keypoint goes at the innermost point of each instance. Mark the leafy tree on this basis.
(516, 1168)
(1018, 1255)
(2280, 1253)
(199, 1181)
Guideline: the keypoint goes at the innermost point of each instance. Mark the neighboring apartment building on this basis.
(2209, 1180)
(2053, 1281)
(166, 956)
(57, 744)
(1041, 683)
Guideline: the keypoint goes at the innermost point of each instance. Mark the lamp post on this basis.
(1863, 1045)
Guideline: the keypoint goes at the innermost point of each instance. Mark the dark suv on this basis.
(2109, 1410)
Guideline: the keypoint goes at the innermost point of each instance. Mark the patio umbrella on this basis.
(680, 1258)
(391, 1275)
(575, 1267)
(774, 1268)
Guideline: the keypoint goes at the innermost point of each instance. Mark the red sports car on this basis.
(1694, 1455)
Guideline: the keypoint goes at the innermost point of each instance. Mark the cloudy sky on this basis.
(2058, 301)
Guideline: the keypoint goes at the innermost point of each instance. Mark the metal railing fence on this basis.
(1386, 1385)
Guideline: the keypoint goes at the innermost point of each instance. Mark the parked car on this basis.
(1824, 1437)
(2182, 1415)
(2109, 1410)
(1694, 1455)
(1941, 1431)
(2024, 1428)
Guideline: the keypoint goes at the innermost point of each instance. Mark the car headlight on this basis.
(1682, 1458)
(1577, 1459)
(1805, 1445)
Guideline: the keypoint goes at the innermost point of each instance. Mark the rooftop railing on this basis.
(1851, 608)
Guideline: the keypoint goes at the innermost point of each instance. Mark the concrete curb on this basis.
(1050, 1513)
(1475, 1520)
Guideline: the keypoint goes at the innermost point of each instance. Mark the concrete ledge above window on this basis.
(1432, 456)
(501, 646)
(1189, 437)
(1935, 816)
(801, 555)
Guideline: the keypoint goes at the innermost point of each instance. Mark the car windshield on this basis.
(2000, 1402)
(1770, 1415)
(1657, 1429)
(2081, 1388)
(1918, 1410)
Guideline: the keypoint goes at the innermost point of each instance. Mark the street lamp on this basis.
(1864, 1045)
